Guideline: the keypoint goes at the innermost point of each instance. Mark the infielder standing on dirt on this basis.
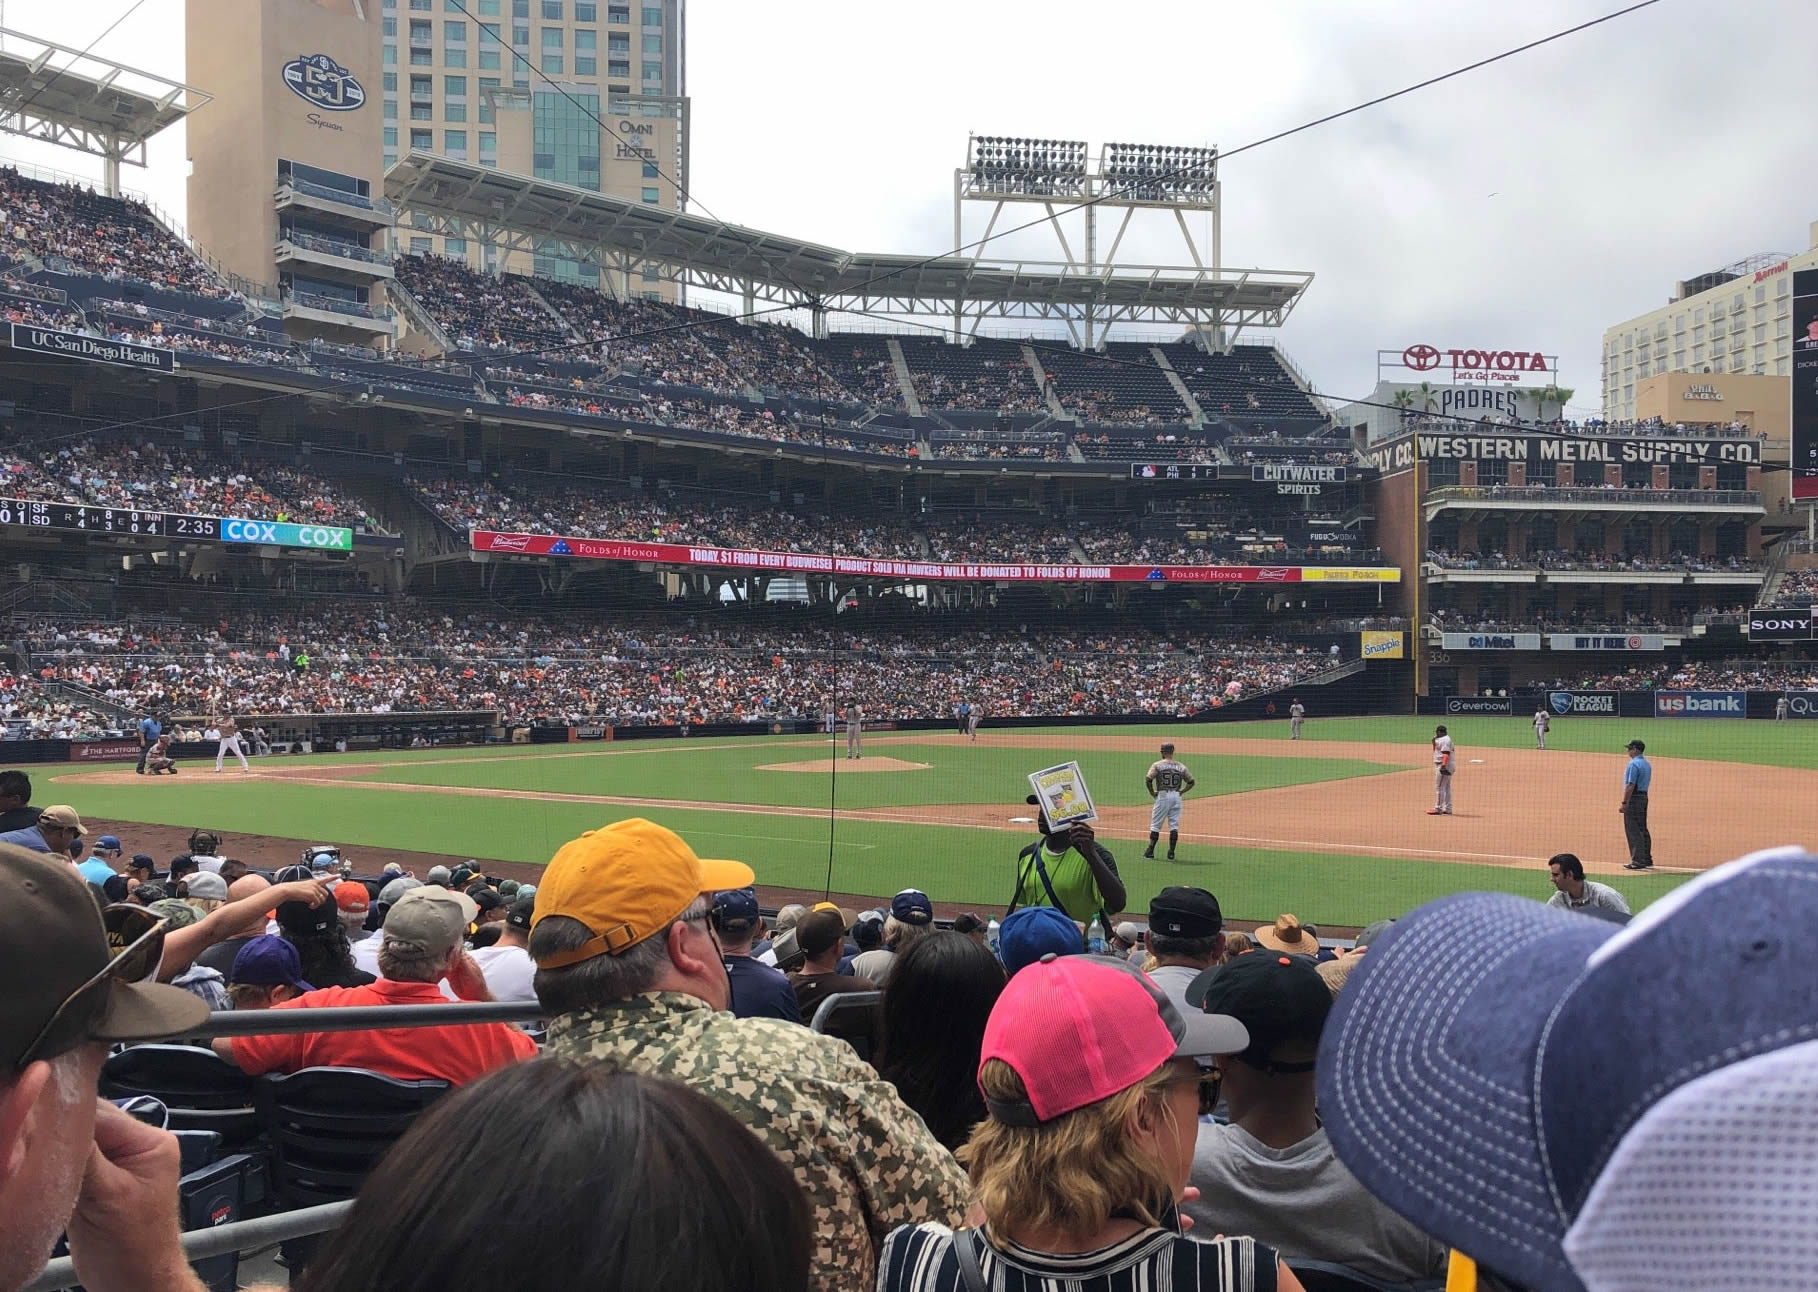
(230, 742)
(1443, 757)
(855, 727)
(1297, 713)
(972, 722)
(1542, 721)
(1165, 781)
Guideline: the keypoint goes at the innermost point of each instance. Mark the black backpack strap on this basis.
(972, 1271)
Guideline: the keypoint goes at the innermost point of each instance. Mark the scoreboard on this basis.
(107, 520)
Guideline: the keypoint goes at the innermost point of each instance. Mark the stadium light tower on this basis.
(1058, 174)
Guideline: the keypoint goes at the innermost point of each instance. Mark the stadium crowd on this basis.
(398, 659)
(1797, 588)
(1041, 1098)
(1557, 559)
(158, 477)
(111, 237)
(1775, 674)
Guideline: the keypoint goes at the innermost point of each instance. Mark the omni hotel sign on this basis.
(1702, 391)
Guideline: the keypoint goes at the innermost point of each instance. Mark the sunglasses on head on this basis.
(135, 939)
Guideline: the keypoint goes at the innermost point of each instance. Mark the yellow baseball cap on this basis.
(626, 881)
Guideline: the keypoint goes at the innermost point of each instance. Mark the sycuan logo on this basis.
(324, 82)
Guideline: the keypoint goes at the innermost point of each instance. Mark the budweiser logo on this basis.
(1272, 574)
(510, 543)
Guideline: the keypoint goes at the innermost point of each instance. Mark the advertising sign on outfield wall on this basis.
(1582, 703)
(1802, 704)
(1477, 704)
(1374, 643)
(1606, 641)
(594, 549)
(1490, 641)
(1700, 704)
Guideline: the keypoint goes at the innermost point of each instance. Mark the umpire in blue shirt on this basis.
(1636, 779)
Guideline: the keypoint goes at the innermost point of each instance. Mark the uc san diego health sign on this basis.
(324, 83)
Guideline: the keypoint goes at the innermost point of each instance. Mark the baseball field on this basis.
(1332, 827)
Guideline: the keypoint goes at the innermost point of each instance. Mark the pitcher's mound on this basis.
(826, 766)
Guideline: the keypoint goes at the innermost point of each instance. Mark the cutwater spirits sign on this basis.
(324, 82)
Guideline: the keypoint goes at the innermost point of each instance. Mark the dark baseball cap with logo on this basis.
(1279, 998)
(818, 932)
(1180, 912)
(66, 987)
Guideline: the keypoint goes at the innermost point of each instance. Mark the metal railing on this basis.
(333, 247)
(377, 205)
(1548, 493)
(337, 305)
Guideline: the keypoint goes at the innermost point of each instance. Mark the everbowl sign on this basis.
(324, 82)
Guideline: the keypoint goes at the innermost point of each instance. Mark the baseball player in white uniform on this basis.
(1542, 720)
(1297, 713)
(1443, 758)
(1780, 709)
(1165, 781)
(230, 742)
(972, 723)
(855, 728)
(829, 723)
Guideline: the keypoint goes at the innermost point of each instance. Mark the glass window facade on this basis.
(566, 138)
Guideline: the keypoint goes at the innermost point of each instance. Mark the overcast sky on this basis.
(1527, 205)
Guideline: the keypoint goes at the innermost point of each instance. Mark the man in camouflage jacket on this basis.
(630, 975)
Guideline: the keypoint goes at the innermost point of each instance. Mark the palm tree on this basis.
(1404, 400)
(1551, 394)
(1427, 395)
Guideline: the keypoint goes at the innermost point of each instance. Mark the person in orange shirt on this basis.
(422, 944)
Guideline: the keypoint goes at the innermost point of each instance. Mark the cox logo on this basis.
(282, 534)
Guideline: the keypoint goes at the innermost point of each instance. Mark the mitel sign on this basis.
(1479, 365)
(1700, 704)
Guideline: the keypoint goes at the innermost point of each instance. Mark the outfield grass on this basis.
(958, 864)
(1724, 740)
(707, 772)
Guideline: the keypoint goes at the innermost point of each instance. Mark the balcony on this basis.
(332, 311)
(361, 213)
(1504, 498)
(345, 261)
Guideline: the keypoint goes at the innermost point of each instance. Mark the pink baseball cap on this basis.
(1078, 1029)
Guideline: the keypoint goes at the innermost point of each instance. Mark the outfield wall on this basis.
(1801, 705)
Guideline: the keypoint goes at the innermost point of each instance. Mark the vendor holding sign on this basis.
(1067, 868)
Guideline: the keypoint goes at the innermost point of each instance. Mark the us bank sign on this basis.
(324, 82)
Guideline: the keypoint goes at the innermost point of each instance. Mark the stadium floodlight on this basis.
(1015, 164)
(1160, 172)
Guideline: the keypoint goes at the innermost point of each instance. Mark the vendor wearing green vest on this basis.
(1068, 869)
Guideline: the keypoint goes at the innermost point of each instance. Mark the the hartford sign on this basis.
(727, 558)
(1459, 366)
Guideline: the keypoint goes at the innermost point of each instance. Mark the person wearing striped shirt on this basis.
(1094, 1083)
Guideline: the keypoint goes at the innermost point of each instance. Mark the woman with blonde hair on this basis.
(1093, 1085)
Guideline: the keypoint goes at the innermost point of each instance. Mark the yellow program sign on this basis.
(1349, 574)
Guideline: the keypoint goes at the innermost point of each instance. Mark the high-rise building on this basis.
(285, 186)
(1737, 319)
(583, 92)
